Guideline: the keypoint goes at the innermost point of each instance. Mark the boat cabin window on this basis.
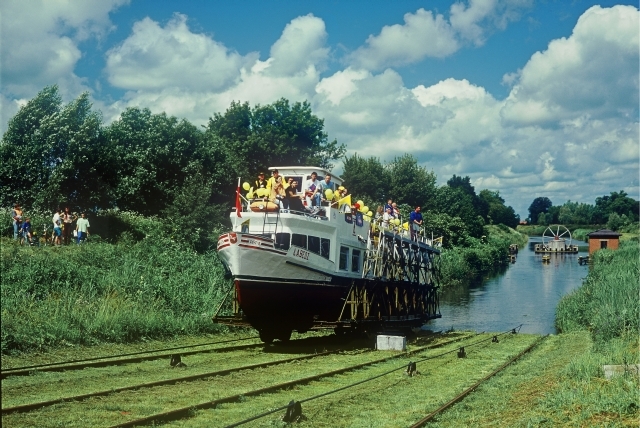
(314, 244)
(344, 257)
(283, 241)
(325, 247)
(355, 260)
(299, 240)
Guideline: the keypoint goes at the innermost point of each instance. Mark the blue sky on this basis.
(530, 98)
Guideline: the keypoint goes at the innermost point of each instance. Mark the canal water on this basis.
(525, 292)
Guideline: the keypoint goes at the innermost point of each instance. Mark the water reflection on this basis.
(526, 292)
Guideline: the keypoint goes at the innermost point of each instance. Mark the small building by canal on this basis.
(603, 238)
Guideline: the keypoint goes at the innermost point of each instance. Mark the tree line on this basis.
(616, 210)
(54, 155)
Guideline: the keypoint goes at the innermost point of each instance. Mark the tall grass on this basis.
(99, 292)
(607, 303)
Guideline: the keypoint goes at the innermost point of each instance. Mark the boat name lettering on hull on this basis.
(301, 253)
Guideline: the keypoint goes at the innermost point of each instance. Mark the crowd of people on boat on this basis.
(63, 227)
(316, 193)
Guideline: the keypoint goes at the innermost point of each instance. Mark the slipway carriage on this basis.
(331, 268)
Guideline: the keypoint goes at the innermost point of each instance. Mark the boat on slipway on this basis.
(324, 268)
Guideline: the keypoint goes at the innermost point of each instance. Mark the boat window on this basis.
(344, 257)
(325, 247)
(283, 241)
(314, 244)
(355, 261)
(299, 240)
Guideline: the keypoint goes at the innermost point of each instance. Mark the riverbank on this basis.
(479, 257)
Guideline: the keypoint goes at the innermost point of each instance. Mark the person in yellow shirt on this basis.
(276, 187)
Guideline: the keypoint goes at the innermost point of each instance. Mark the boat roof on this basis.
(306, 170)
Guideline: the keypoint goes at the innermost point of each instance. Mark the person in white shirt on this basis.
(311, 190)
(386, 217)
(57, 227)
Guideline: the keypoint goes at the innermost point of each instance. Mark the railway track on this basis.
(276, 389)
(10, 370)
(137, 357)
(422, 422)
(187, 411)
(113, 361)
(173, 381)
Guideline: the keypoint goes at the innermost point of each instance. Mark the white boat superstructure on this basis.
(296, 269)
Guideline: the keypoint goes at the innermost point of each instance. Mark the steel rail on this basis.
(467, 391)
(130, 354)
(125, 360)
(361, 382)
(191, 378)
(187, 411)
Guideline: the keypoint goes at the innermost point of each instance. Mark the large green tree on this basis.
(455, 202)
(156, 154)
(54, 154)
(498, 212)
(410, 183)
(366, 178)
(617, 202)
(464, 184)
(278, 134)
(539, 205)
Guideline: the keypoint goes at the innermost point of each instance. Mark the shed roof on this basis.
(604, 233)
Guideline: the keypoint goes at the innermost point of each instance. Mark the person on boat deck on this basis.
(311, 189)
(415, 222)
(292, 199)
(260, 183)
(387, 217)
(288, 182)
(396, 211)
(379, 214)
(324, 186)
(388, 205)
(340, 193)
(276, 186)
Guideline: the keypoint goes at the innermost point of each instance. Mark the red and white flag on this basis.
(238, 203)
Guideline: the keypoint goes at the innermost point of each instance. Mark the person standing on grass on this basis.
(82, 226)
(16, 215)
(57, 227)
(67, 218)
(26, 232)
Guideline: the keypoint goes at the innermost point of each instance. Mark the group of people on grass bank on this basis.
(62, 226)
